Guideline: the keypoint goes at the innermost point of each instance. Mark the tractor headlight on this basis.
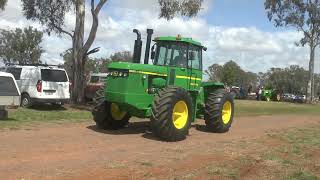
(119, 73)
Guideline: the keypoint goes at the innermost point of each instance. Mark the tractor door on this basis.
(194, 67)
(178, 65)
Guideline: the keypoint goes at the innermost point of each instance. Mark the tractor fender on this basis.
(209, 87)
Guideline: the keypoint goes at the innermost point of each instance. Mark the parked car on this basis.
(95, 82)
(288, 97)
(41, 84)
(9, 93)
(300, 99)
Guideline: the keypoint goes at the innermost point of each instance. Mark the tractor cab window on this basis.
(171, 54)
(195, 57)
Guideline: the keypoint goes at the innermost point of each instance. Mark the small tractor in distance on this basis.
(169, 91)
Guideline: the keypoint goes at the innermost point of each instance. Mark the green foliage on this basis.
(300, 14)
(3, 4)
(124, 56)
(171, 8)
(21, 46)
(94, 65)
(49, 13)
(231, 74)
(290, 80)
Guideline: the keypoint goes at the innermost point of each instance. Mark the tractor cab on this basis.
(182, 57)
(177, 52)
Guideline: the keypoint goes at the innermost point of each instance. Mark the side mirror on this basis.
(192, 55)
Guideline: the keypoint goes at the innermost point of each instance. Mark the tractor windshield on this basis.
(176, 54)
(171, 54)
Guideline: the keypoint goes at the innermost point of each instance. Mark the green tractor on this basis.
(170, 91)
(271, 95)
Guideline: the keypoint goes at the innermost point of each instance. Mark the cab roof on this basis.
(178, 39)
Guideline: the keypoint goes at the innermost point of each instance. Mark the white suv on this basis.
(41, 84)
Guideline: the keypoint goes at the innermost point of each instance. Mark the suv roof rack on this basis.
(36, 64)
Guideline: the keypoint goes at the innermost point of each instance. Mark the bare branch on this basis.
(95, 23)
(63, 31)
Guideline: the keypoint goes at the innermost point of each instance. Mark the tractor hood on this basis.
(142, 68)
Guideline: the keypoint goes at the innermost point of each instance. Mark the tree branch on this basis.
(95, 12)
(62, 30)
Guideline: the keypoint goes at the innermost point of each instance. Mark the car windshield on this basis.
(53, 75)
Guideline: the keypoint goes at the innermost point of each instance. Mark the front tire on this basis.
(219, 111)
(171, 114)
(108, 115)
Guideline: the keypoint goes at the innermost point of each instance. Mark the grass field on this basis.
(258, 108)
(26, 117)
(288, 155)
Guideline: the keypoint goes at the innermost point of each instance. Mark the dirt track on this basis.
(80, 151)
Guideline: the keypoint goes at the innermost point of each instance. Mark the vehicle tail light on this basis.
(39, 86)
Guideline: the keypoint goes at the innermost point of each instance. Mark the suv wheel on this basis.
(26, 101)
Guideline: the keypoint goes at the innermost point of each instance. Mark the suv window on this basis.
(7, 87)
(16, 72)
(53, 75)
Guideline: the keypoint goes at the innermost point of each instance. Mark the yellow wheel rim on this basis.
(268, 99)
(116, 113)
(226, 112)
(180, 114)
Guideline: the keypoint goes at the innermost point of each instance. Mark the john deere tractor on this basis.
(169, 91)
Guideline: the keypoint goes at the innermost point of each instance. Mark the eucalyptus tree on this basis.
(304, 16)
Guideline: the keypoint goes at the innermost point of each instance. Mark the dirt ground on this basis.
(81, 151)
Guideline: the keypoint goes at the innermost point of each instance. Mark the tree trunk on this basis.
(78, 69)
(80, 48)
(310, 90)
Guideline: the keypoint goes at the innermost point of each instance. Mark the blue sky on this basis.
(239, 13)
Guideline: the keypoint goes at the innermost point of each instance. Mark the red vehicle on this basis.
(95, 81)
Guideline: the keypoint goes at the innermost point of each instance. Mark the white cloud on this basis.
(252, 48)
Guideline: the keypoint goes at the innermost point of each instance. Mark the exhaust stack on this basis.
(137, 47)
(149, 37)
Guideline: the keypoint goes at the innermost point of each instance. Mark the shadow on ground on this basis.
(48, 107)
(8, 119)
(132, 128)
(140, 128)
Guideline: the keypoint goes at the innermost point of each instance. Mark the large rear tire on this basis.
(108, 115)
(219, 111)
(171, 114)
